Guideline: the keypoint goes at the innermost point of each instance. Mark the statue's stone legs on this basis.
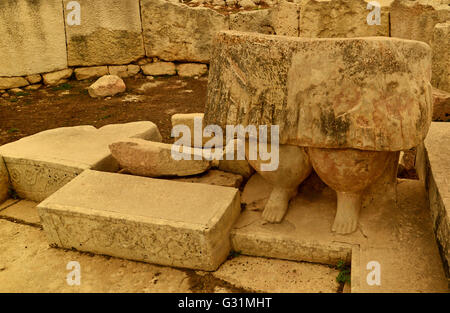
(293, 168)
(349, 172)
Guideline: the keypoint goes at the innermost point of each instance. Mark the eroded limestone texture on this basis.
(151, 220)
(369, 94)
(110, 32)
(352, 102)
(176, 32)
(40, 164)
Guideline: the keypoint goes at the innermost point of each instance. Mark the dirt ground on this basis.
(30, 112)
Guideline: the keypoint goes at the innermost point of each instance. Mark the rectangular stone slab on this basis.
(40, 164)
(33, 39)
(145, 219)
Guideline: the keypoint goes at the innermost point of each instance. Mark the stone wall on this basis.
(37, 36)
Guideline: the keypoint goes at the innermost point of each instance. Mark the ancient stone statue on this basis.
(344, 107)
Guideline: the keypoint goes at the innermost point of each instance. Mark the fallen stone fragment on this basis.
(214, 177)
(83, 73)
(150, 220)
(154, 159)
(12, 82)
(42, 163)
(108, 85)
(191, 69)
(159, 68)
(441, 105)
(57, 78)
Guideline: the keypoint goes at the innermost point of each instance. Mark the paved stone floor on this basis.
(28, 264)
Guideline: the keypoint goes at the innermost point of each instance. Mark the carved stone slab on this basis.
(40, 164)
(145, 219)
(369, 93)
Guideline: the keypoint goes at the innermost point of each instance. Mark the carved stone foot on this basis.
(277, 205)
(349, 172)
(347, 214)
(294, 167)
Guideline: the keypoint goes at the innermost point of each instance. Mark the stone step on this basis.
(145, 219)
(40, 164)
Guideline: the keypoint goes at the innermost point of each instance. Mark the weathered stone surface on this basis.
(12, 82)
(58, 77)
(441, 105)
(108, 85)
(256, 193)
(154, 159)
(433, 167)
(33, 87)
(83, 73)
(159, 68)
(118, 70)
(133, 69)
(110, 33)
(151, 220)
(236, 166)
(285, 17)
(41, 164)
(339, 18)
(34, 79)
(386, 236)
(362, 93)
(176, 32)
(191, 69)
(214, 177)
(441, 56)
(258, 21)
(197, 139)
(33, 39)
(4, 181)
(416, 19)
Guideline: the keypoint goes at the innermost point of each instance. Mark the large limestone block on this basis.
(340, 18)
(417, 19)
(285, 17)
(151, 220)
(363, 93)
(441, 56)
(4, 181)
(42, 163)
(177, 32)
(83, 73)
(32, 37)
(110, 32)
(441, 105)
(258, 21)
(155, 159)
(433, 166)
